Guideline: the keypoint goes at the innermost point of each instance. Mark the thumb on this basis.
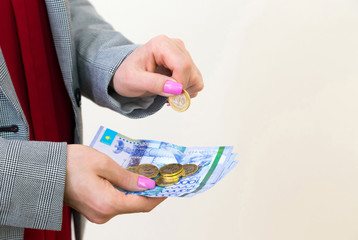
(125, 179)
(161, 85)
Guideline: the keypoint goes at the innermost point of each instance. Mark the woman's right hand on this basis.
(89, 189)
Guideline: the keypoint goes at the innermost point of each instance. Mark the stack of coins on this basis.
(169, 174)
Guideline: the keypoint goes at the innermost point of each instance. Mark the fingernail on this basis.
(172, 87)
(144, 182)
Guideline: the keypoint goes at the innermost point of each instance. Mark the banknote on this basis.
(213, 162)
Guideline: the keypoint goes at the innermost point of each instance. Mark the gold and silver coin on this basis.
(131, 169)
(147, 170)
(180, 102)
(173, 169)
(189, 169)
(166, 181)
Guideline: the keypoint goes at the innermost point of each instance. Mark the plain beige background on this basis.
(281, 86)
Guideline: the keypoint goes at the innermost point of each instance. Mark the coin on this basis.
(131, 169)
(180, 102)
(189, 169)
(147, 170)
(172, 169)
(166, 181)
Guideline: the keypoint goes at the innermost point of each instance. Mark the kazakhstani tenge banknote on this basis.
(219, 173)
(222, 169)
(232, 165)
(128, 152)
(229, 164)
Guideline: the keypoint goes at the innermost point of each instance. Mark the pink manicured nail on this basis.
(172, 87)
(144, 182)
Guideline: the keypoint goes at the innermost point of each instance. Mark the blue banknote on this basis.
(213, 162)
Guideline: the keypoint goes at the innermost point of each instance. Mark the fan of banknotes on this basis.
(178, 171)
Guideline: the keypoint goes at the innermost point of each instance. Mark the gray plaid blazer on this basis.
(32, 173)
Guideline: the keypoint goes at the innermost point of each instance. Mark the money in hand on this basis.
(183, 171)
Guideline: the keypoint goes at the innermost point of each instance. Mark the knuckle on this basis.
(179, 41)
(104, 163)
(200, 85)
(159, 39)
(161, 52)
(186, 65)
(162, 37)
(157, 87)
(127, 179)
(159, 43)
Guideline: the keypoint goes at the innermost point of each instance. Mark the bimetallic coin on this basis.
(131, 169)
(180, 102)
(147, 170)
(189, 169)
(166, 181)
(172, 169)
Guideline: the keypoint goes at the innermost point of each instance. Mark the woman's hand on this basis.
(162, 66)
(89, 190)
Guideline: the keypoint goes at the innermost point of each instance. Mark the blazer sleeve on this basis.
(32, 181)
(100, 50)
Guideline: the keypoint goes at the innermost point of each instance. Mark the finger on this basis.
(192, 95)
(195, 89)
(134, 203)
(123, 178)
(173, 56)
(179, 42)
(160, 84)
(196, 85)
(162, 70)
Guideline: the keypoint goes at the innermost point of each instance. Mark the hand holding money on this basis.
(178, 171)
(162, 66)
(89, 186)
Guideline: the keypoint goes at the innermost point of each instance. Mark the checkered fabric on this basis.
(32, 173)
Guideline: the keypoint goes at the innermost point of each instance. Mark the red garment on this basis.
(30, 55)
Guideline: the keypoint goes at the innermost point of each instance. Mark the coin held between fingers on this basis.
(180, 102)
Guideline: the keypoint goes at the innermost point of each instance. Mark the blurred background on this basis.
(281, 84)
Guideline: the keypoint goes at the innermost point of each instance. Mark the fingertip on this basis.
(172, 87)
(160, 84)
(145, 183)
(193, 95)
